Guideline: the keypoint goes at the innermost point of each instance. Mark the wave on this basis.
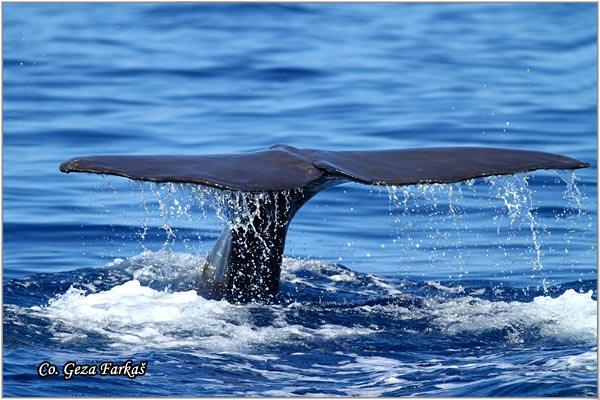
(148, 304)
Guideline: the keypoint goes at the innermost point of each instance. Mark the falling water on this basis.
(454, 214)
(442, 225)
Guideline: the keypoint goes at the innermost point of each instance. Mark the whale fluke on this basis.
(284, 167)
(245, 263)
(272, 169)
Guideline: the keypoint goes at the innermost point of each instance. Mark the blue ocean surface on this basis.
(481, 288)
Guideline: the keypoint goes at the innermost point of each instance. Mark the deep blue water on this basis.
(484, 288)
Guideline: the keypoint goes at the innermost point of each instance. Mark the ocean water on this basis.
(481, 288)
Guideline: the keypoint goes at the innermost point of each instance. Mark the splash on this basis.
(570, 317)
(444, 226)
(133, 315)
(196, 204)
(434, 215)
(518, 200)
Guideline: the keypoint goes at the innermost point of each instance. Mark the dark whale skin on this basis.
(284, 167)
(245, 263)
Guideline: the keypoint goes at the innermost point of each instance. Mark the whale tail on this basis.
(245, 263)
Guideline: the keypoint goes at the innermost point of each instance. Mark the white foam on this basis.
(133, 314)
(439, 286)
(333, 276)
(571, 316)
(587, 361)
(160, 265)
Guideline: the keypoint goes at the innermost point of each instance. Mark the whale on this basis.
(245, 263)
